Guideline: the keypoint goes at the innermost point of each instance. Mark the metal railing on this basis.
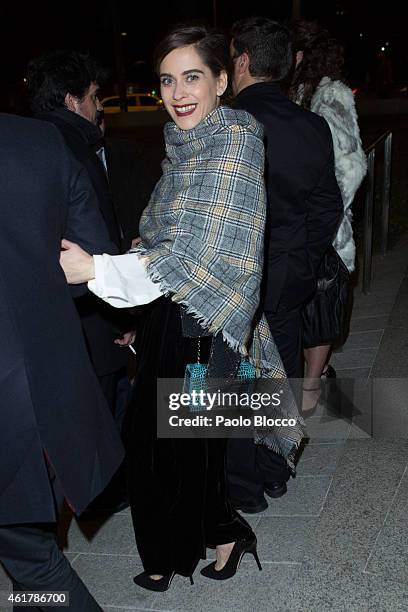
(369, 205)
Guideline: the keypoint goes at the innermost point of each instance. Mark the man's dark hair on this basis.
(52, 76)
(211, 46)
(268, 45)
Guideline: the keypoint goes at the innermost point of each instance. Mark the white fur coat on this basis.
(334, 101)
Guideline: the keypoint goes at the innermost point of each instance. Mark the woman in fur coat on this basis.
(318, 85)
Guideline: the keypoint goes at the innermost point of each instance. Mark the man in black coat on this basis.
(57, 437)
(304, 209)
(63, 90)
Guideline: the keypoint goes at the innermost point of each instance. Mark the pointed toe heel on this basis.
(230, 568)
(163, 584)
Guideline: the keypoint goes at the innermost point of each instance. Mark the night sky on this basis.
(28, 30)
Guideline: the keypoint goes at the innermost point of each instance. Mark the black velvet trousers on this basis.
(177, 487)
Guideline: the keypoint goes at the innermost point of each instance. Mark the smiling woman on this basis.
(200, 264)
(189, 94)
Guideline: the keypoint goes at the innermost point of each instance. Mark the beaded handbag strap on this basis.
(198, 349)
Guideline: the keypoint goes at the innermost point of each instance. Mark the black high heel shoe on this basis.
(315, 401)
(163, 584)
(230, 568)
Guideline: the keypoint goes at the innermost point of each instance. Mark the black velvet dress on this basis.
(177, 487)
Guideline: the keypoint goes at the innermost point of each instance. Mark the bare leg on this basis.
(315, 358)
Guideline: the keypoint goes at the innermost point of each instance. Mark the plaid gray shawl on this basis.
(203, 234)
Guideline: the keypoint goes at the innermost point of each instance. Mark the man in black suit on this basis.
(304, 209)
(57, 437)
(63, 90)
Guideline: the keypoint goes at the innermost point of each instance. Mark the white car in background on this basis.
(136, 102)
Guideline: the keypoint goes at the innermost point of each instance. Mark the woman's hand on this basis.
(135, 242)
(78, 265)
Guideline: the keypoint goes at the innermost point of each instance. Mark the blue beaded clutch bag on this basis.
(195, 378)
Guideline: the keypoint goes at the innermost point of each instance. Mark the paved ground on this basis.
(338, 541)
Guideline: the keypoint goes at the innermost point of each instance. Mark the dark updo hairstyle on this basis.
(211, 46)
(323, 56)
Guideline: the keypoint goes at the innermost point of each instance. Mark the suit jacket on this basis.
(51, 404)
(101, 323)
(304, 200)
(134, 168)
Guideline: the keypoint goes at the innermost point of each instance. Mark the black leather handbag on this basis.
(324, 316)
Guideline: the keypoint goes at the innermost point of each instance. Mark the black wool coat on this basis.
(52, 409)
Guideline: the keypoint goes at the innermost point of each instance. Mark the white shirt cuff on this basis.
(122, 281)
